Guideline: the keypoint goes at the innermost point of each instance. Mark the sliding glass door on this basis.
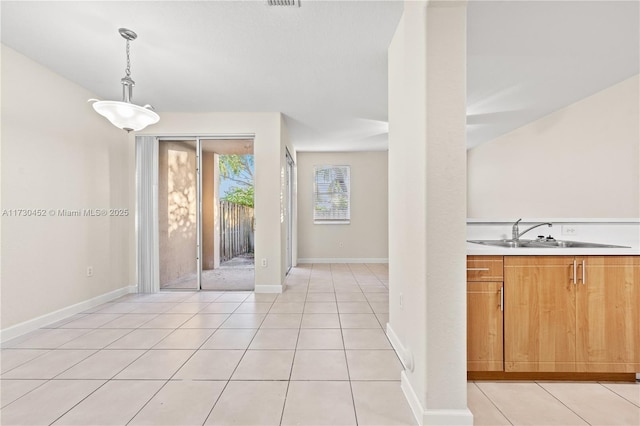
(227, 168)
(205, 214)
(178, 214)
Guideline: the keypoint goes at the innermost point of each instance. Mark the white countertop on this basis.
(484, 250)
(621, 232)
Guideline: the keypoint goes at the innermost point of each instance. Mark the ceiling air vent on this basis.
(283, 3)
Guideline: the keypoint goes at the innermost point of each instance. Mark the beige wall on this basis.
(177, 229)
(268, 152)
(366, 237)
(59, 154)
(581, 161)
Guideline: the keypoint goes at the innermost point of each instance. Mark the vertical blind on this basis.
(331, 199)
(147, 213)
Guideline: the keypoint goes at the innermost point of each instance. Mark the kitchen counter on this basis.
(622, 232)
(484, 250)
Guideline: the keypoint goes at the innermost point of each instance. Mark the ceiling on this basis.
(527, 59)
(324, 64)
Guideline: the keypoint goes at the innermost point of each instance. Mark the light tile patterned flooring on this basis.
(554, 403)
(316, 354)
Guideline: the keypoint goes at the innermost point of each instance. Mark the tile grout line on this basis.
(621, 396)
(22, 396)
(492, 403)
(239, 361)
(79, 402)
(561, 402)
(346, 360)
(295, 351)
(32, 359)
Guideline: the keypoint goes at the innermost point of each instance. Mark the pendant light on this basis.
(125, 115)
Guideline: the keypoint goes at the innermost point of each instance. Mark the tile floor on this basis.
(314, 355)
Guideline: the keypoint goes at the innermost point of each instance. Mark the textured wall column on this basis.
(446, 401)
(427, 209)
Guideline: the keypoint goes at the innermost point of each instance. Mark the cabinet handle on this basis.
(477, 269)
(584, 273)
(502, 298)
(575, 272)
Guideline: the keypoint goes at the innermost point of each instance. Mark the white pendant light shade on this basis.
(125, 115)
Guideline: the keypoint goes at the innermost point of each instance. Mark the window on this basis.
(331, 197)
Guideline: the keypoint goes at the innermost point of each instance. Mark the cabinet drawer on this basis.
(484, 268)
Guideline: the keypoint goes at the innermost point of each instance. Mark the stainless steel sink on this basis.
(576, 244)
(503, 243)
(542, 244)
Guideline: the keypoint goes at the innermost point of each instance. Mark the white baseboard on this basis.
(423, 416)
(448, 417)
(343, 260)
(411, 397)
(276, 288)
(46, 319)
(404, 353)
(433, 417)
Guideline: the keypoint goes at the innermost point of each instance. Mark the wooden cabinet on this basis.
(540, 313)
(572, 313)
(608, 314)
(484, 313)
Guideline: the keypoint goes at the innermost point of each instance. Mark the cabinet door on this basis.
(539, 313)
(608, 314)
(484, 327)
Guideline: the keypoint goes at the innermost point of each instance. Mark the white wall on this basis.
(581, 161)
(366, 237)
(407, 204)
(58, 153)
(427, 208)
(268, 149)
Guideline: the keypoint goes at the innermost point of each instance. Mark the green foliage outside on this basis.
(242, 196)
(238, 169)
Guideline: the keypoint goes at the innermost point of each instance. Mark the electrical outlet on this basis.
(341, 244)
(569, 230)
(264, 263)
(89, 271)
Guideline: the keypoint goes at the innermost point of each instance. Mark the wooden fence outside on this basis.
(236, 230)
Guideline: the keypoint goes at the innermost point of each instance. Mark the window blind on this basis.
(332, 203)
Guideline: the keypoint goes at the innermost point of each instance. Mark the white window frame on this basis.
(334, 217)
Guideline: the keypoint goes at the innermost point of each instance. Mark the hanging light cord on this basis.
(127, 81)
(128, 70)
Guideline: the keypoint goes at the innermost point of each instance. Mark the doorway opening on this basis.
(228, 221)
(205, 214)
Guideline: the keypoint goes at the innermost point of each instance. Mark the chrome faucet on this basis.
(515, 231)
